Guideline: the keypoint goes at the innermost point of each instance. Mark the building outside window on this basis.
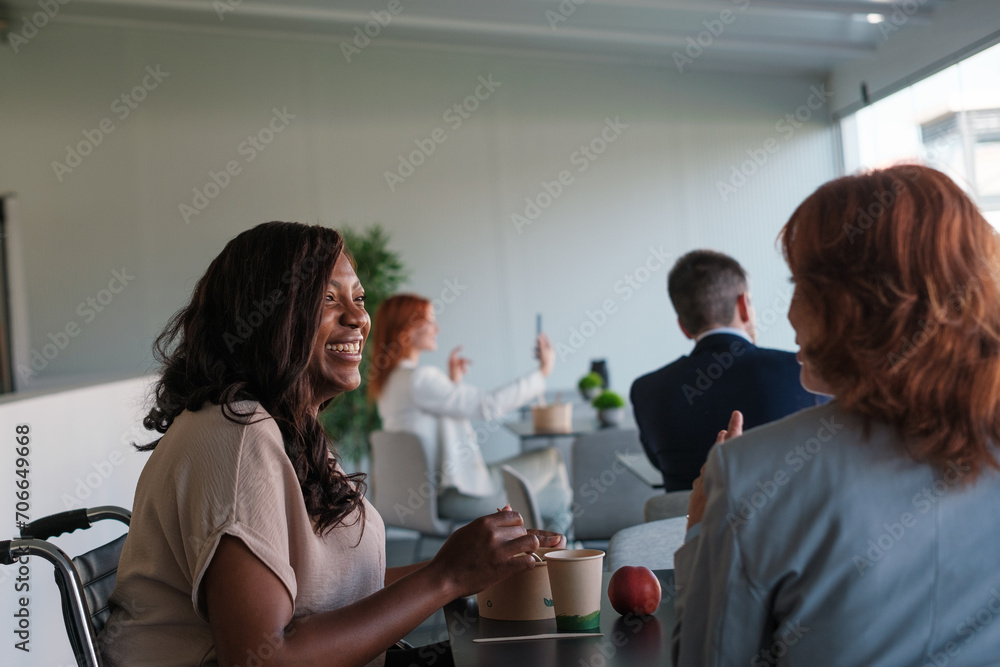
(949, 121)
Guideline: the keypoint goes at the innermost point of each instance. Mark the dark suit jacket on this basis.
(681, 407)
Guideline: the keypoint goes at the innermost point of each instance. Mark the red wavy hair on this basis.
(899, 268)
(395, 316)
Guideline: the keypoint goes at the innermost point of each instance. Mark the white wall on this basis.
(654, 187)
(80, 455)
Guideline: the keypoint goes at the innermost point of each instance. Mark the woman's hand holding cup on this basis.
(489, 549)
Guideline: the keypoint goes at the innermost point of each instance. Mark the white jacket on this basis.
(424, 401)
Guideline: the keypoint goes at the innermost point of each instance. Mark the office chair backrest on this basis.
(666, 506)
(607, 497)
(403, 481)
(521, 497)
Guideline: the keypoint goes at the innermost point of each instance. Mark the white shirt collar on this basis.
(407, 363)
(723, 330)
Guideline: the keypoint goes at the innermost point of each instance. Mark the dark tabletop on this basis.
(628, 640)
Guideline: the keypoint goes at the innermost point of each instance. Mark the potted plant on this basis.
(590, 386)
(610, 408)
(349, 418)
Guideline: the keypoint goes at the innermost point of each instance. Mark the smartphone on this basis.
(538, 324)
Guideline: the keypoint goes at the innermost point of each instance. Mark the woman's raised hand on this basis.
(457, 365)
(733, 430)
(546, 354)
(489, 549)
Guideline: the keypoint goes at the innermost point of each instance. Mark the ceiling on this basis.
(777, 36)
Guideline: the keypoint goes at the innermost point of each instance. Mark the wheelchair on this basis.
(85, 582)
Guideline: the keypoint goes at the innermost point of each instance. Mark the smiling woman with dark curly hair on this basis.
(862, 532)
(248, 542)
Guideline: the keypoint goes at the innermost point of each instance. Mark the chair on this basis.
(85, 582)
(607, 497)
(666, 505)
(649, 544)
(403, 484)
(521, 497)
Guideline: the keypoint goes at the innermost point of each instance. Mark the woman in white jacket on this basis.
(437, 408)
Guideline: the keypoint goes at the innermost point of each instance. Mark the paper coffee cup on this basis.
(575, 580)
(524, 596)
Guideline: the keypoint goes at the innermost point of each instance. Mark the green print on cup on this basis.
(575, 623)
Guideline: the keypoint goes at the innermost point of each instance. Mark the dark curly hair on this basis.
(247, 335)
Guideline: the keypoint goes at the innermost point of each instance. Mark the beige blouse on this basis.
(210, 477)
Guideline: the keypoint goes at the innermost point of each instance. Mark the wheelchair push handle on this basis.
(6, 556)
(57, 524)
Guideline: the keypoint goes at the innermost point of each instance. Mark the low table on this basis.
(628, 640)
(525, 430)
(639, 465)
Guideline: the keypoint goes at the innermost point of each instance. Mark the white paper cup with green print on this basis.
(575, 580)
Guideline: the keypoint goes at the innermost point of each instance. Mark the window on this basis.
(949, 121)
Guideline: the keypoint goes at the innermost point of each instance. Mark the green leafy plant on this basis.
(349, 418)
(590, 381)
(608, 399)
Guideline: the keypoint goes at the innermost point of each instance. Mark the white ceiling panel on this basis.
(777, 36)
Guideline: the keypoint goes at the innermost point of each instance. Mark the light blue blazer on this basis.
(821, 546)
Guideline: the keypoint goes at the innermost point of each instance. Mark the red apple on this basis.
(634, 589)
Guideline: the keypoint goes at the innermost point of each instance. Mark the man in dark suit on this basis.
(681, 407)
